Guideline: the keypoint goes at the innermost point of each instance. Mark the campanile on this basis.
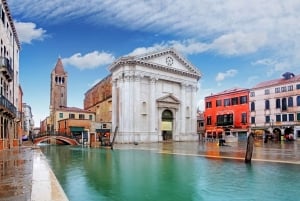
(58, 90)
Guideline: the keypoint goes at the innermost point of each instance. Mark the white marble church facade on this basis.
(154, 97)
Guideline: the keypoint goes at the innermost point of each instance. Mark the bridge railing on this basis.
(53, 134)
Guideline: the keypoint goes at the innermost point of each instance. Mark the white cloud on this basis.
(229, 73)
(239, 43)
(90, 60)
(27, 32)
(226, 27)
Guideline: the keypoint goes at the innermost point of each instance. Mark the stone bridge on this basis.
(66, 139)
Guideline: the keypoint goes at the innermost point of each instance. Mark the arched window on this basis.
(252, 106)
(298, 100)
(290, 102)
(267, 104)
(284, 105)
(277, 103)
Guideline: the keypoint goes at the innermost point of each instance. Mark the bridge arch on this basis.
(62, 138)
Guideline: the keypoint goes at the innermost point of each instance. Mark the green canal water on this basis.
(137, 175)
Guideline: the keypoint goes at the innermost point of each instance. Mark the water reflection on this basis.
(103, 174)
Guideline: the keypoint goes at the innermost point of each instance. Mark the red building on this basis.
(227, 115)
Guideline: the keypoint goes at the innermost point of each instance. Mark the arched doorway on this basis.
(167, 125)
(277, 134)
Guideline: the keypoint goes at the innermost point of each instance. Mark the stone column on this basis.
(194, 110)
(183, 108)
(115, 105)
(152, 105)
(126, 104)
(137, 104)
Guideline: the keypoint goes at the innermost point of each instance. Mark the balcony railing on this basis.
(8, 106)
(6, 69)
(230, 123)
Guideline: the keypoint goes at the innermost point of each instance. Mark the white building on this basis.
(275, 106)
(154, 97)
(9, 75)
(28, 124)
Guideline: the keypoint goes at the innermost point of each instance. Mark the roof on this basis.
(11, 22)
(287, 78)
(228, 91)
(59, 68)
(73, 109)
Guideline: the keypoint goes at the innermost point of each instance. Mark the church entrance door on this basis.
(167, 125)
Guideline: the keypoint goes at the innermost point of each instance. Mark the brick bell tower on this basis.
(58, 90)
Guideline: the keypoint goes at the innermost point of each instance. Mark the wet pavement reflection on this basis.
(16, 165)
(16, 174)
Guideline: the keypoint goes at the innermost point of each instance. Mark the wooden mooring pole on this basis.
(249, 149)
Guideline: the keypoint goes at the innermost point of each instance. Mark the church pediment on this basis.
(168, 101)
(168, 60)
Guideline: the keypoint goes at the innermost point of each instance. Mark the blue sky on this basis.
(233, 43)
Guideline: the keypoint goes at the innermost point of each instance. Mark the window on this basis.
(234, 101)
(243, 100)
(252, 120)
(226, 102)
(267, 104)
(252, 94)
(267, 91)
(277, 103)
(208, 120)
(290, 102)
(277, 90)
(298, 100)
(267, 119)
(91, 117)
(71, 116)
(252, 106)
(290, 88)
(61, 115)
(278, 118)
(81, 116)
(228, 119)
(218, 103)
(284, 105)
(283, 89)
(208, 105)
(291, 117)
(244, 118)
(298, 86)
(298, 116)
(284, 117)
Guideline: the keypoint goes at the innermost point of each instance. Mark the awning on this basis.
(76, 129)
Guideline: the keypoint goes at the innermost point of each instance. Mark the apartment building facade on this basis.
(275, 107)
(226, 115)
(9, 79)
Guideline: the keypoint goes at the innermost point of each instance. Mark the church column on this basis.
(152, 105)
(115, 105)
(183, 108)
(194, 110)
(131, 95)
(137, 104)
(126, 104)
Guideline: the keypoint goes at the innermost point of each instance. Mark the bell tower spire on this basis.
(58, 90)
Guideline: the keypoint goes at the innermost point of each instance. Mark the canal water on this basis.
(93, 174)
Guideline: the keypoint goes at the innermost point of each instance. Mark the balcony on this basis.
(7, 108)
(229, 123)
(6, 69)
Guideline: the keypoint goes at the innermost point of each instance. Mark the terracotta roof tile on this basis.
(59, 68)
(276, 82)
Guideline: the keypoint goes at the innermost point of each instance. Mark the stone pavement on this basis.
(24, 170)
(279, 152)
